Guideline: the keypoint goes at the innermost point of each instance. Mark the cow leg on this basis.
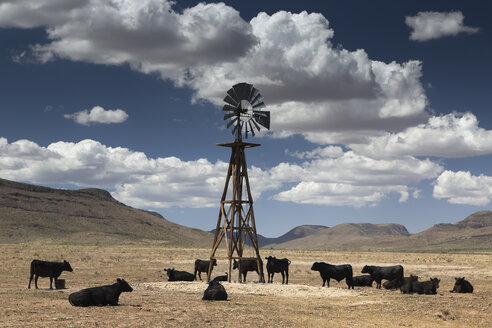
(195, 274)
(244, 276)
(36, 281)
(51, 282)
(271, 280)
(199, 275)
(378, 283)
(283, 277)
(30, 279)
(328, 282)
(286, 277)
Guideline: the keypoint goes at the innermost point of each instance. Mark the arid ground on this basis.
(303, 303)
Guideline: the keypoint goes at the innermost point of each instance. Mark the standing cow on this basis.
(101, 295)
(462, 286)
(202, 266)
(337, 272)
(47, 269)
(378, 273)
(246, 264)
(277, 265)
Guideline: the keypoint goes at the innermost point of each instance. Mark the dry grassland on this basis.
(303, 303)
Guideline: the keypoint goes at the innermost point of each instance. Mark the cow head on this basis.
(214, 262)
(366, 269)
(235, 265)
(435, 282)
(170, 272)
(414, 278)
(66, 266)
(315, 266)
(270, 259)
(125, 287)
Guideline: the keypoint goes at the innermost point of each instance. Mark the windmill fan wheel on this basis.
(243, 107)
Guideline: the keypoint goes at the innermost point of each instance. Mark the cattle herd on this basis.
(109, 294)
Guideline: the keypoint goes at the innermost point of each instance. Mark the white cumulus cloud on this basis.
(98, 115)
(463, 188)
(430, 25)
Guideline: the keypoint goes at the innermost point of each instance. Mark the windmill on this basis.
(236, 222)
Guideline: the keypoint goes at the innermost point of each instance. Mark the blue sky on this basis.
(380, 111)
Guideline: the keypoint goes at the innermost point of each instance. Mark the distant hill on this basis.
(30, 213)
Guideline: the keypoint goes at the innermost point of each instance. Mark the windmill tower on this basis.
(236, 223)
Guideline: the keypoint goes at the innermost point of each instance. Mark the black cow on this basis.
(248, 264)
(378, 273)
(175, 275)
(277, 265)
(337, 272)
(221, 278)
(397, 283)
(47, 269)
(202, 266)
(407, 285)
(101, 295)
(462, 286)
(214, 292)
(426, 287)
(363, 281)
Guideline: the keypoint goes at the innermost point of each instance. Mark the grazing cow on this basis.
(47, 269)
(101, 295)
(175, 275)
(426, 287)
(246, 264)
(407, 283)
(337, 272)
(221, 278)
(202, 266)
(397, 283)
(363, 281)
(378, 273)
(214, 292)
(277, 265)
(462, 286)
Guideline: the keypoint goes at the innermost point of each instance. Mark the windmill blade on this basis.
(232, 122)
(263, 118)
(233, 95)
(229, 115)
(259, 105)
(242, 90)
(256, 124)
(253, 94)
(258, 99)
(246, 130)
(234, 130)
(229, 107)
(251, 128)
(228, 99)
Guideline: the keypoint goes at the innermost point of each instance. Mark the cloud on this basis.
(430, 25)
(98, 115)
(452, 135)
(137, 180)
(463, 188)
(317, 89)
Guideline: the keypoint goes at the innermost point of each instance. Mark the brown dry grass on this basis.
(303, 303)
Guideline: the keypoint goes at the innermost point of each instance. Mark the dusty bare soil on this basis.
(303, 303)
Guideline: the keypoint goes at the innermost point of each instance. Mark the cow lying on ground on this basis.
(363, 281)
(337, 272)
(406, 286)
(101, 295)
(397, 283)
(221, 278)
(214, 292)
(277, 265)
(378, 273)
(175, 275)
(202, 266)
(426, 287)
(248, 264)
(462, 286)
(47, 269)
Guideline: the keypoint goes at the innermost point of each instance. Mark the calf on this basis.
(378, 273)
(337, 272)
(407, 283)
(175, 275)
(47, 269)
(462, 286)
(246, 264)
(214, 292)
(426, 287)
(221, 278)
(202, 266)
(277, 265)
(101, 295)
(363, 281)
